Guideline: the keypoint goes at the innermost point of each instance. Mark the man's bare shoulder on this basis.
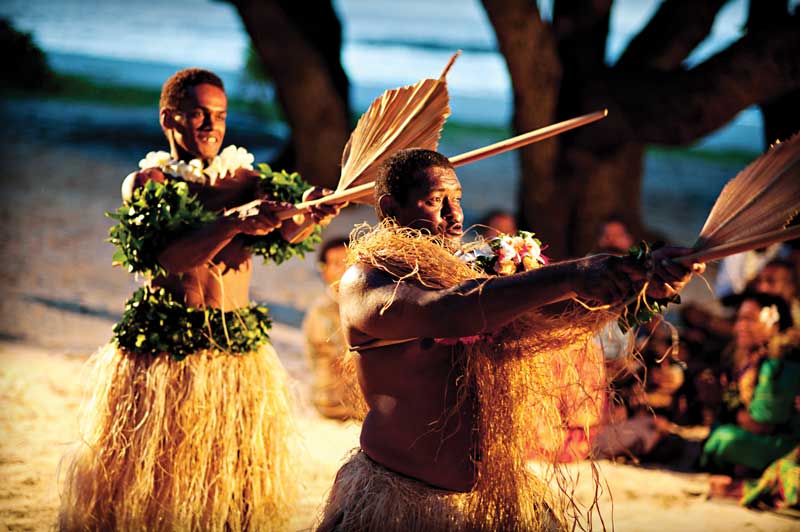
(360, 278)
(138, 179)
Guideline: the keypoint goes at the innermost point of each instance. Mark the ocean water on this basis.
(388, 43)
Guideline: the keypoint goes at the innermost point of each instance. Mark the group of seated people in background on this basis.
(711, 387)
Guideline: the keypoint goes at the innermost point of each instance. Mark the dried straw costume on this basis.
(524, 379)
(184, 430)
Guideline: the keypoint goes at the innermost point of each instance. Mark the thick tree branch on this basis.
(781, 114)
(674, 31)
(679, 108)
(581, 29)
(764, 13)
(305, 85)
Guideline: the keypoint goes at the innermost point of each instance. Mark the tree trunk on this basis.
(571, 184)
(300, 49)
(529, 49)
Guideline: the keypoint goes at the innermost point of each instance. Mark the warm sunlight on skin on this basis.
(198, 125)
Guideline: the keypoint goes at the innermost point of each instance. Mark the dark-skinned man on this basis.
(423, 458)
(189, 424)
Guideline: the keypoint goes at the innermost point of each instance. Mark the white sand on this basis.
(60, 298)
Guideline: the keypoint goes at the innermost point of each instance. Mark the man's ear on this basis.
(167, 119)
(387, 206)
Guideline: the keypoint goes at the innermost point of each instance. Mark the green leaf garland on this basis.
(281, 186)
(154, 322)
(160, 212)
(157, 213)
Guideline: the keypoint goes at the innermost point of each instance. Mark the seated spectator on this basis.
(778, 486)
(325, 345)
(644, 390)
(780, 278)
(737, 271)
(760, 419)
(496, 222)
(614, 237)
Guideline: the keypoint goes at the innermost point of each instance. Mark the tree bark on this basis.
(571, 184)
(674, 31)
(679, 107)
(529, 48)
(300, 51)
(782, 113)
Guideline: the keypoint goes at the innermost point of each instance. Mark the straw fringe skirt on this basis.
(367, 497)
(200, 444)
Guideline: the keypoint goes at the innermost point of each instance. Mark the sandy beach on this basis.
(60, 298)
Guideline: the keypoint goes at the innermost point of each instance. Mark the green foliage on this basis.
(253, 67)
(23, 65)
(154, 323)
(281, 186)
(74, 87)
(157, 213)
(161, 212)
(645, 308)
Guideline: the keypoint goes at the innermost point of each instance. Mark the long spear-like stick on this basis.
(459, 160)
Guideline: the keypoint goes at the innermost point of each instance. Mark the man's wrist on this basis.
(230, 226)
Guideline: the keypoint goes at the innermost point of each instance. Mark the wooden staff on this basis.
(459, 160)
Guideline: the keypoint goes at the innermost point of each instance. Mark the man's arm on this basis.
(374, 304)
(198, 247)
(294, 231)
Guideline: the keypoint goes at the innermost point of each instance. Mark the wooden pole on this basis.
(526, 138)
(503, 146)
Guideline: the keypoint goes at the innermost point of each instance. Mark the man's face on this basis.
(434, 204)
(748, 329)
(777, 281)
(335, 264)
(500, 224)
(615, 236)
(198, 124)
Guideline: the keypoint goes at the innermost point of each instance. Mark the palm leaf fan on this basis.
(407, 117)
(755, 205)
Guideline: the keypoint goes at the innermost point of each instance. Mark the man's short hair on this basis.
(176, 88)
(404, 170)
(331, 243)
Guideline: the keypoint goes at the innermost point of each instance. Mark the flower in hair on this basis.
(769, 316)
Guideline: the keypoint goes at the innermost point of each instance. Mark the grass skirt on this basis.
(528, 378)
(200, 444)
(367, 497)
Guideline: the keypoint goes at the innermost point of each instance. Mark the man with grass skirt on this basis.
(189, 427)
(457, 365)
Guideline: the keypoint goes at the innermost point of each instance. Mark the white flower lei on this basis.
(223, 165)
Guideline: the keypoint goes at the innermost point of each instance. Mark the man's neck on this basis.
(185, 156)
(177, 152)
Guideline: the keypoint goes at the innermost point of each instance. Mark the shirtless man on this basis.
(210, 266)
(194, 432)
(409, 384)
